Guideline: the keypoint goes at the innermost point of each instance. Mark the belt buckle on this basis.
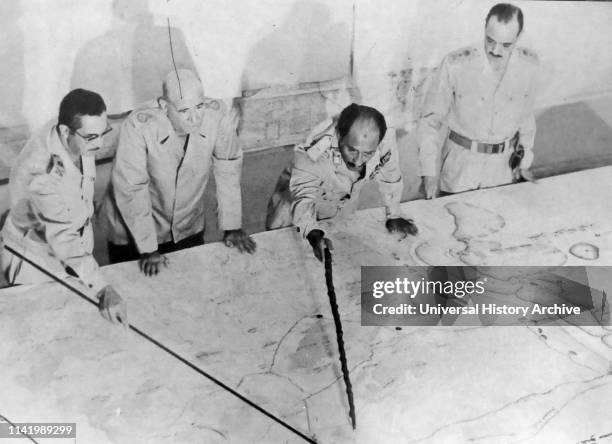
(474, 146)
(483, 148)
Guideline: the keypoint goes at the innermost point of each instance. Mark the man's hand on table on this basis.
(319, 242)
(239, 239)
(401, 225)
(521, 174)
(112, 307)
(150, 263)
(430, 183)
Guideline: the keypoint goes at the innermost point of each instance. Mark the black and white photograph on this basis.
(305, 221)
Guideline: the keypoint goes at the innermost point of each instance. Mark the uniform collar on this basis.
(324, 139)
(486, 66)
(370, 165)
(168, 130)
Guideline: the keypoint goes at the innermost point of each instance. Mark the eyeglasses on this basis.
(91, 137)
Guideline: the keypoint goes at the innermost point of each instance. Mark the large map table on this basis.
(262, 325)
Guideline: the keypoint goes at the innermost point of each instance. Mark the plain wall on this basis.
(121, 47)
(573, 40)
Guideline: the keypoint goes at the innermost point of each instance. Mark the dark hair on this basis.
(354, 112)
(77, 103)
(506, 12)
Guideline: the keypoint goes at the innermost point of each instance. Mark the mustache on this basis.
(495, 55)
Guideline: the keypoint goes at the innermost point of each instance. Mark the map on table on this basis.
(262, 325)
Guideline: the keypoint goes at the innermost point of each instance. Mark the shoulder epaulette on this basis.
(320, 130)
(144, 116)
(316, 148)
(463, 54)
(214, 105)
(56, 166)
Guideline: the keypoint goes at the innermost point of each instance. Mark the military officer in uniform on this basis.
(478, 113)
(51, 191)
(329, 171)
(166, 150)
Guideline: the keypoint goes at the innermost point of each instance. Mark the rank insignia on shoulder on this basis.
(56, 166)
(213, 104)
(317, 148)
(383, 161)
(143, 117)
(336, 157)
(462, 54)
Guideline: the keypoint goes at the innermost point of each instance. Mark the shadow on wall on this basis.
(571, 138)
(13, 125)
(306, 47)
(12, 76)
(126, 64)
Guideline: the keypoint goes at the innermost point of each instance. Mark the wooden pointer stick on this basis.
(329, 280)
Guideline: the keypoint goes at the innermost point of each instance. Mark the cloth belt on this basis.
(481, 147)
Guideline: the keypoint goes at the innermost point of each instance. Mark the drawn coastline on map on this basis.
(471, 244)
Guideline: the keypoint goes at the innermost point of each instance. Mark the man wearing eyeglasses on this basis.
(155, 203)
(51, 190)
(330, 169)
(478, 113)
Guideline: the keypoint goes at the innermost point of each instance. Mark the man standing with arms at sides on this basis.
(51, 190)
(155, 203)
(330, 169)
(478, 111)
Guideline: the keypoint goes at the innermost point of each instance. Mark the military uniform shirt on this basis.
(157, 184)
(50, 217)
(322, 187)
(468, 97)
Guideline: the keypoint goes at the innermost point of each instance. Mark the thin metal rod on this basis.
(329, 280)
(5, 419)
(173, 62)
(169, 351)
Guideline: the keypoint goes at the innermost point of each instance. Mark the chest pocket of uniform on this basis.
(163, 158)
(201, 153)
(78, 206)
(515, 102)
(470, 95)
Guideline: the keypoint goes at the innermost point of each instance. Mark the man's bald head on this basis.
(183, 100)
(366, 115)
(182, 87)
(360, 130)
